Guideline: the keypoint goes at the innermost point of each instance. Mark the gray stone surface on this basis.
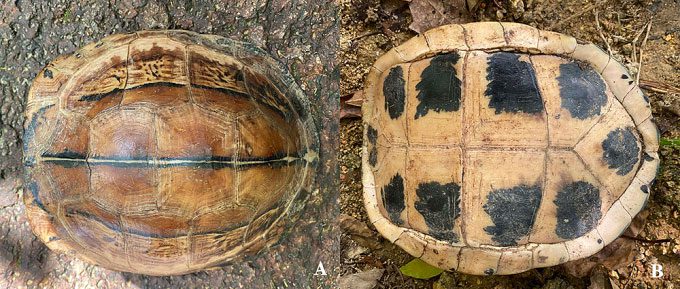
(302, 34)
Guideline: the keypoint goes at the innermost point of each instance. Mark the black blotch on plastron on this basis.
(439, 204)
(512, 85)
(394, 92)
(372, 135)
(620, 150)
(578, 209)
(439, 86)
(513, 212)
(645, 189)
(48, 74)
(393, 199)
(582, 90)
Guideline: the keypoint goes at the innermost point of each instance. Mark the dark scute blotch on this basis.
(48, 74)
(373, 157)
(372, 135)
(648, 157)
(439, 204)
(395, 94)
(645, 189)
(512, 85)
(578, 209)
(620, 150)
(513, 211)
(66, 154)
(439, 86)
(393, 199)
(582, 90)
(623, 76)
(489, 272)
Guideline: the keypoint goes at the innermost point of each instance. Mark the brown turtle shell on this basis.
(494, 148)
(165, 152)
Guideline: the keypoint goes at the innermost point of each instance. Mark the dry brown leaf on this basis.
(600, 280)
(362, 280)
(428, 14)
(352, 226)
(350, 105)
(618, 254)
(357, 99)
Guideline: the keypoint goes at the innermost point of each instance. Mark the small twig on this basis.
(585, 10)
(644, 41)
(658, 86)
(648, 241)
(367, 34)
(634, 56)
(599, 31)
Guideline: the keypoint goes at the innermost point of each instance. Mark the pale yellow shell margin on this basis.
(497, 36)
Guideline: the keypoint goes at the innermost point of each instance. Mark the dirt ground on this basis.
(301, 34)
(369, 28)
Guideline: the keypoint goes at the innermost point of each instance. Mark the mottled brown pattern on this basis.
(153, 154)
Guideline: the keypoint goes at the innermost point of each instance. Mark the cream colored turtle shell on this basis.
(481, 148)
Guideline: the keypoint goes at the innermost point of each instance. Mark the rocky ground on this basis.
(302, 34)
(369, 28)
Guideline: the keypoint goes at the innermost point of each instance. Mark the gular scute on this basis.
(578, 209)
(621, 150)
(439, 86)
(582, 90)
(393, 199)
(439, 204)
(394, 91)
(512, 85)
(513, 212)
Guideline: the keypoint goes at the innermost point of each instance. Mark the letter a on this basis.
(320, 271)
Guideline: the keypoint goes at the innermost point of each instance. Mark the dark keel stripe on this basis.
(70, 159)
(100, 96)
